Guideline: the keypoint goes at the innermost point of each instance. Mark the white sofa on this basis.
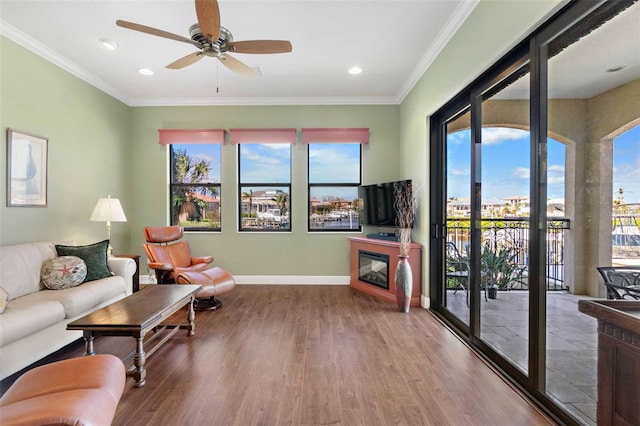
(34, 321)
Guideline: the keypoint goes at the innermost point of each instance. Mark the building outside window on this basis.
(334, 176)
(265, 186)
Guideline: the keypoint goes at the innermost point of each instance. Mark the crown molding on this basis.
(364, 100)
(453, 24)
(17, 36)
(461, 13)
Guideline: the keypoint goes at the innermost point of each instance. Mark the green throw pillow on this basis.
(94, 256)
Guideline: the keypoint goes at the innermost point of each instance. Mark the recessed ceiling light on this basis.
(109, 44)
(616, 68)
(355, 70)
(145, 71)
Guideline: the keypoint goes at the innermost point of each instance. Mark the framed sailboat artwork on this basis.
(26, 169)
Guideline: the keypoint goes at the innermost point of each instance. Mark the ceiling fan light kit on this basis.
(213, 40)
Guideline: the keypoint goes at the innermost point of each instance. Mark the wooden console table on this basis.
(135, 316)
(391, 249)
(618, 359)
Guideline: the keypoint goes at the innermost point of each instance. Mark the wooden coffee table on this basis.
(135, 316)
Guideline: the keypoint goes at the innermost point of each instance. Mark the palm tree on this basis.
(189, 171)
(281, 200)
(249, 196)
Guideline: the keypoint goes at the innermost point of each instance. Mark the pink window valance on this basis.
(263, 136)
(194, 136)
(343, 135)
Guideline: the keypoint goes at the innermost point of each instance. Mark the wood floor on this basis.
(315, 355)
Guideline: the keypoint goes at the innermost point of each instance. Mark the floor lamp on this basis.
(108, 210)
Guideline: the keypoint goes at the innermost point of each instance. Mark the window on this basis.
(334, 178)
(195, 186)
(265, 186)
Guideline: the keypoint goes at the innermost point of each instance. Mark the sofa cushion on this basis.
(4, 299)
(83, 298)
(94, 255)
(63, 272)
(20, 267)
(27, 315)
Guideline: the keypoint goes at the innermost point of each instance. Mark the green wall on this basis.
(88, 134)
(99, 146)
(297, 253)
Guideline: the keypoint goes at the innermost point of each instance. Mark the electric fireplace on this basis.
(373, 268)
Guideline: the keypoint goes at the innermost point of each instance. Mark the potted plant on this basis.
(500, 268)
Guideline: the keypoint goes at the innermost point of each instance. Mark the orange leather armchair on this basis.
(169, 260)
(173, 263)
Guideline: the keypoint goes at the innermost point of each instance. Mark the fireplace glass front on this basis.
(373, 268)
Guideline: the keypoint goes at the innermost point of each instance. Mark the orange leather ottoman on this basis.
(78, 391)
(214, 281)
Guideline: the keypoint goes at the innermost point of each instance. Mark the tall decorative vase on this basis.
(404, 284)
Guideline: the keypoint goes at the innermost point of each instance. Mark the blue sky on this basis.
(265, 163)
(207, 152)
(626, 165)
(505, 164)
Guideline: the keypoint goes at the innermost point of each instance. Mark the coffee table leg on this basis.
(191, 317)
(139, 373)
(88, 343)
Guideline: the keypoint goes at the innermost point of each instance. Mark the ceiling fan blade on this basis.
(208, 14)
(260, 46)
(186, 61)
(155, 32)
(236, 66)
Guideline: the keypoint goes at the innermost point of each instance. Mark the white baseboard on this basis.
(425, 301)
(292, 279)
(277, 280)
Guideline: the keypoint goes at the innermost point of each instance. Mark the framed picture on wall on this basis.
(26, 169)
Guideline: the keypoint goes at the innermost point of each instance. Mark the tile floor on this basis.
(571, 343)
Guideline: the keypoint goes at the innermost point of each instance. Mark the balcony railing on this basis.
(513, 233)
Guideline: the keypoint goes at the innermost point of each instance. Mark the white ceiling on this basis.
(392, 41)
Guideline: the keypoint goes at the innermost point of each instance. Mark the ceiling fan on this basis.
(213, 40)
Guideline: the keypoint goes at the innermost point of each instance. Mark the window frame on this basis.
(263, 185)
(214, 187)
(310, 185)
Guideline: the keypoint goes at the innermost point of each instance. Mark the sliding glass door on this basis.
(521, 200)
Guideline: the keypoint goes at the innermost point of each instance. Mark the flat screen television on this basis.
(377, 208)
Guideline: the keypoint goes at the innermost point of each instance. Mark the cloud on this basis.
(459, 137)
(520, 172)
(251, 155)
(334, 163)
(555, 174)
(496, 135)
(460, 172)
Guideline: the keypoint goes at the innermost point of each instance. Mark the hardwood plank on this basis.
(309, 355)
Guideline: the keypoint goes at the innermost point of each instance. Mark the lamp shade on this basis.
(108, 210)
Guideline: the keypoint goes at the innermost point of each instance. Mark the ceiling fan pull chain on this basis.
(217, 77)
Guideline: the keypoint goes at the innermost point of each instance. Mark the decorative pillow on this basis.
(4, 299)
(63, 272)
(94, 255)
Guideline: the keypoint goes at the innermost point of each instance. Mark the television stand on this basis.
(389, 236)
(364, 249)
